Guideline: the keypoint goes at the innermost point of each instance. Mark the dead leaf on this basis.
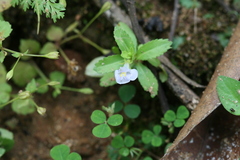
(228, 66)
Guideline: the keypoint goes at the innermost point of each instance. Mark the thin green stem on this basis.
(40, 73)
(91, 21)
(2, 105)
(64, 55)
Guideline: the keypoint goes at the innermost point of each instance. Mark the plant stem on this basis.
(2, 105)
(40, 73)
(64, 55)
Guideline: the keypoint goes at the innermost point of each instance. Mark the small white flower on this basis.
(125, 74)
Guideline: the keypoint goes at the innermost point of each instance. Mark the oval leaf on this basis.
(228, 90)
(170, 116)
(153, 49)
(157, 129)
(60, 152)
(98, 117)
(129, 141)
(147, 79)
(182, 112)
(109, 64)
(74, 156)
(23, 106)
(102, 131)
(179, 122)
(147, 136)
(117, 142)
(126, 92)
(124, 152)
(156, 141)
(115, 120)
(132, 110)
(125, 38)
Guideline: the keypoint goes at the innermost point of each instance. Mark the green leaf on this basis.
(2, 151)
(118, 106)
(31, 45)
(163, 76)
(124, 151)
(129, 141)
(23, 106)
(153, 49)
(190, 3)
(228, 90)
(147, 158)
(6, 139)
(117, 142)
(126, 92)
(44, 88)
(147, 79)
(147, 136)
(182, 112)
(55, 33)
(31, 86)
(156, 141)
(20, 77)
(4, 97)
(74, 156)
(125, 38)
(57, 76)
(132, 110)
(170, 116)
(179, 122)
(102, 131)
(155, 62)
(60, 152)
(108, 79)
(115, 120)
(3, 73)
(5, 87)
(89, 71)
(48, 47)
(2, 56)
(98, 117)
(109, 64)
(177, 42)
(157, 129)
(5, 30)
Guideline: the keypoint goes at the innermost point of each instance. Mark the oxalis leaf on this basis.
(125, 38)
(228, 90)
(147, 79)
(109, 64)
(153, 49)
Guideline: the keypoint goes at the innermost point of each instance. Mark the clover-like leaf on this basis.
(179, 122)
(170, 116)
(102, 131)
(60, 152)
(115, 120)
(147, 79)
(147, 136)
(118, 106)
(125, 38)
(228, 90)
(132, 110)
(126, 92)
(74, 156)
(129, 141)
(182, 112)
(153, 49)
(157, 129)
(98, 117)
(156, 141)
(117, 142)
(124, 151)
(109, 64)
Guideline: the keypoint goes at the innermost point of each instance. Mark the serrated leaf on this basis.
(102, 131)
(74, 156)
(109, 64)
(125, 38)
(129, 141)
(115, 120)
(117, 142)
(5, 30)
(60, 152)
(23, 106)
(126, 92)
(132, 110)
(147, 79)
(98, 117)
(182, 112)
(89, 71)
(228, 90)
(170, 116)
(153, 49)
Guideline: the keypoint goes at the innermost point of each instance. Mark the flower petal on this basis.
(134, 74)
